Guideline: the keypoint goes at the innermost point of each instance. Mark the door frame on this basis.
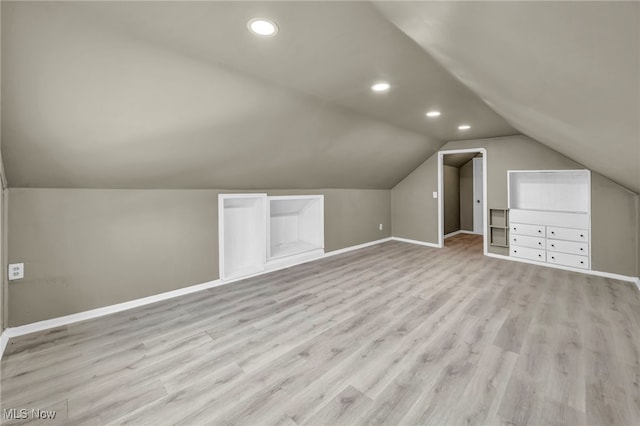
(485, 226)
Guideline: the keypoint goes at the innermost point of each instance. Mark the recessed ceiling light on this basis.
(263, 27)
(464, 127)
(433, 114)
(380, 86)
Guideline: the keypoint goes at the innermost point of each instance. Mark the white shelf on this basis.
(291, 248)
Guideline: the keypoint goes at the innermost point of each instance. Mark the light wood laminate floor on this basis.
(393, 334)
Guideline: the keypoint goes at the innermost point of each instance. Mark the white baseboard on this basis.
(359, 246)
(420, 243)
(106, 310)
(111, 309)
(611, 275)
(461, 231)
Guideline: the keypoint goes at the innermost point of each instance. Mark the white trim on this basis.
(461, 231)
(568, 268)
(4, 339)
(107, 310)
(485, 216)
(440, 190)
(359, 246)
(420, 243)
(112, 309)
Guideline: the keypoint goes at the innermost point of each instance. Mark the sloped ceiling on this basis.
(564, 73)
(181, 95)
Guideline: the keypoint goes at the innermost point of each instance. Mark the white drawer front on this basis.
(567, 234)
(527, 253)
(526, 229)
(527, 241)
(570, 247)
(568, 260)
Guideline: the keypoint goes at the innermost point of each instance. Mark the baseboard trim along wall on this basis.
(461, 231)
(420, 243)
(112, 309)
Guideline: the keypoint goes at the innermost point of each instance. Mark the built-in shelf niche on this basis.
(296, 225)
(242, 239)
(499, 227)
(549, 190)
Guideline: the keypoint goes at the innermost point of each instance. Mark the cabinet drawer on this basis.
(526, 229)
(570, 247)
(527, 253)
(527, 241)
(568, 260)
(570, 234)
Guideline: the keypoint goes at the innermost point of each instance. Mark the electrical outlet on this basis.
(435, 195)
(380, 227)
(16, 271)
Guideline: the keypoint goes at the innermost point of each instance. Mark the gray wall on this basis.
(466, 196)
(614, 213)
(451, 188)
(88, 248)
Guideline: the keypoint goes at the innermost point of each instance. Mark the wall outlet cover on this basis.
(16, 271)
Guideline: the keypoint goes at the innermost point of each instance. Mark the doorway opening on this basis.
(462, 189)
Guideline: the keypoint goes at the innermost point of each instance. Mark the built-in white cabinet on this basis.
(296, 225)
(258, 233)
(550, 216)
(242, 234)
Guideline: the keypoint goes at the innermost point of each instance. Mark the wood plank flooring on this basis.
(393, 334)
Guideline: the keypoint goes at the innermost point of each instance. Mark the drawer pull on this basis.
(553, 245)
(581, 249)
(539, 255)
(515, 229)
(581, 235)
(553, 232)
(539, 243)
(515, 251)
(582, 262)
(553, 257)
(514, 240)
(539, 231)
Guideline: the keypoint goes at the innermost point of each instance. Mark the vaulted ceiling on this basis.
(565, 73)
(182, 95)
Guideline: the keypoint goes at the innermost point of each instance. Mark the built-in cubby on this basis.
(242, 234)
(296, 225)
(499, 227)
(258, 233)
